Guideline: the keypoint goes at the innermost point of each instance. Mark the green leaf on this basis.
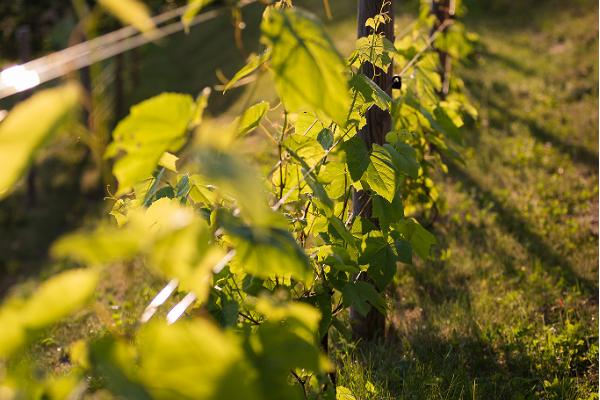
(361, 295)
(104, 245)
(404, 158)
(341, 229)
(235, 177)
(193, 8)
(380, 257)
(172, 359)
(31, 123)
(49, 304)
(356, 156)
(420, 238)
(254, 61)
(251, 118)
(152, 127)
(404, 250)
(285, 341)
(114, 361)
(168, 161)
(306, 148)
(371, 92)
(374, 49)
(343, 393)
(308, 71)
(447, 125)
(267, 253)
(130, 12)
(381, 174)
(387, 213)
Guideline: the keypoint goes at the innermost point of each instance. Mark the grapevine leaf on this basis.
(285, 342)
(113, 361)
(193, 8)
(233, 176)
(374, 49)
(420, 239)
(404, 159)
(251, 118)
(387, 213)
(130, 12)
(381, 174)
(197, 349)
(356, 157)
(308, 71)
(371, 92)
(343, 393)
(151, 128)
(361, 295)
(381, 258)
(28, 126)
(168, 161)
(104, 245)
(341, 229)
(254, 61)
(48, 305)
(306, 148)
(271, 252)
(404, 251)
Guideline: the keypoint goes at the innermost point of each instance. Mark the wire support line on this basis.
(55, 65)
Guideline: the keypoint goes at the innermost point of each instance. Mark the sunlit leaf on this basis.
(26, 128)
(104, 245)
(130, 12)
(308, 70)
(251, 118)
(235, 177)
(380, 174)
(152, 127)
(252, 64)
(54, 300)
(194, 360)
(193, 8)
(169, 161)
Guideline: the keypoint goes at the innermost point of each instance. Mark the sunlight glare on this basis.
(19, 78)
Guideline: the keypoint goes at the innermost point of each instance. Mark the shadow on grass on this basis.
(578, 154)
(420, 361)
(514, 223)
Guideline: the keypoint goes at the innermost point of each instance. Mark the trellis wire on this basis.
(81, 55)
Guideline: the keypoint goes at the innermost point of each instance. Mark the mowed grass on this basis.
(510, 311)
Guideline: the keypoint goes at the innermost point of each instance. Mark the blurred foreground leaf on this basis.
(130, 12)
(30, 124)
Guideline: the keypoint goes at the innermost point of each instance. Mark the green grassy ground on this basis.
(511, 313)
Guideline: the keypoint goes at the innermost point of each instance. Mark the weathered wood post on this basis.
(379, 123)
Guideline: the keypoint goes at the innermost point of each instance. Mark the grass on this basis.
(510, 310)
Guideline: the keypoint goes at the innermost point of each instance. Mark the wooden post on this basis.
(379, 123)
(443, 10)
